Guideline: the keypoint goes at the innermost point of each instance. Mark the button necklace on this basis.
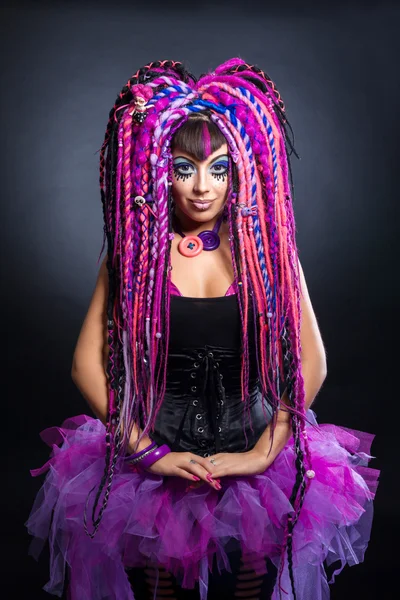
(192, 245)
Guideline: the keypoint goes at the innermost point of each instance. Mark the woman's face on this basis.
(199, 188)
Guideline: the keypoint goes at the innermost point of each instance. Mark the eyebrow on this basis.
(194, 160)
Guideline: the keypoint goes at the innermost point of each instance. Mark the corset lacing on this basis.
(212, 393)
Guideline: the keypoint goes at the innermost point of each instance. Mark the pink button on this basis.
(190, 246)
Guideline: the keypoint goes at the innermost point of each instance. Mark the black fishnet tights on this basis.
(243, 582)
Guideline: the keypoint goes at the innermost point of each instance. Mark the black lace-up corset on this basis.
(202, 411)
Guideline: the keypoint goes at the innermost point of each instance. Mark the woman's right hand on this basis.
(178, 464)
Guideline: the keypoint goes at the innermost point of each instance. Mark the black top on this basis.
(202, 411)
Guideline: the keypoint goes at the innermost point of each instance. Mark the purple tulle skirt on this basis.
(152, 520)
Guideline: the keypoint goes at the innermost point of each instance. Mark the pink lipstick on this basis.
(202, 205)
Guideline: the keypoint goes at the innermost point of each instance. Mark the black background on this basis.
(336, 67)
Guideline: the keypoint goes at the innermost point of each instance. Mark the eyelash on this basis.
(220, 176)
(180, 175)
(183, 176)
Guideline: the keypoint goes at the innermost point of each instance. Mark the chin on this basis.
(202, 215)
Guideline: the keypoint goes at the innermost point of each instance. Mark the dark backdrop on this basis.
(63, 64)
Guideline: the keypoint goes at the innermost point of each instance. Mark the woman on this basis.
(205, 473)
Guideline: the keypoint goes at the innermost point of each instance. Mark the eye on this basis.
(219, 170)
(183, 170)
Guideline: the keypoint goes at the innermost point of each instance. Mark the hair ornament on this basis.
(141, 95)
(142, 201)
(248, 211)
(233, 197)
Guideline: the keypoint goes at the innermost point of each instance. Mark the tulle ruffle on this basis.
(152, 519)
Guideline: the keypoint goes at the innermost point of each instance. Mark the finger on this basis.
(210, 467)
(218, 474)
(213, 482)
(181, 472)
(214, 470)
(199, 471)
(225, 469)
(203, 462)
(219, 471)
(208, 478)
(197, 464)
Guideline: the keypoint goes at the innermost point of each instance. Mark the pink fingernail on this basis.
(196, 478)
(209, 477)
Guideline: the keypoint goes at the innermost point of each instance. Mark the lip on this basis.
(202, 205)
(202, 201)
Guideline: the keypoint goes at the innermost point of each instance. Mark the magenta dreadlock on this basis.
(135, 180)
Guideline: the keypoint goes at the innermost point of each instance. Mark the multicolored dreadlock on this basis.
(136, 164)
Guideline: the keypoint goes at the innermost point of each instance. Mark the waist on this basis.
(188, 425)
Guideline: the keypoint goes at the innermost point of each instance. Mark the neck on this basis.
(192, 227)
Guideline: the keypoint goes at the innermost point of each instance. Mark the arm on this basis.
(314, 370)
(90, 356)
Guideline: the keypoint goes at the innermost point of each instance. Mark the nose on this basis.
(201, 183)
